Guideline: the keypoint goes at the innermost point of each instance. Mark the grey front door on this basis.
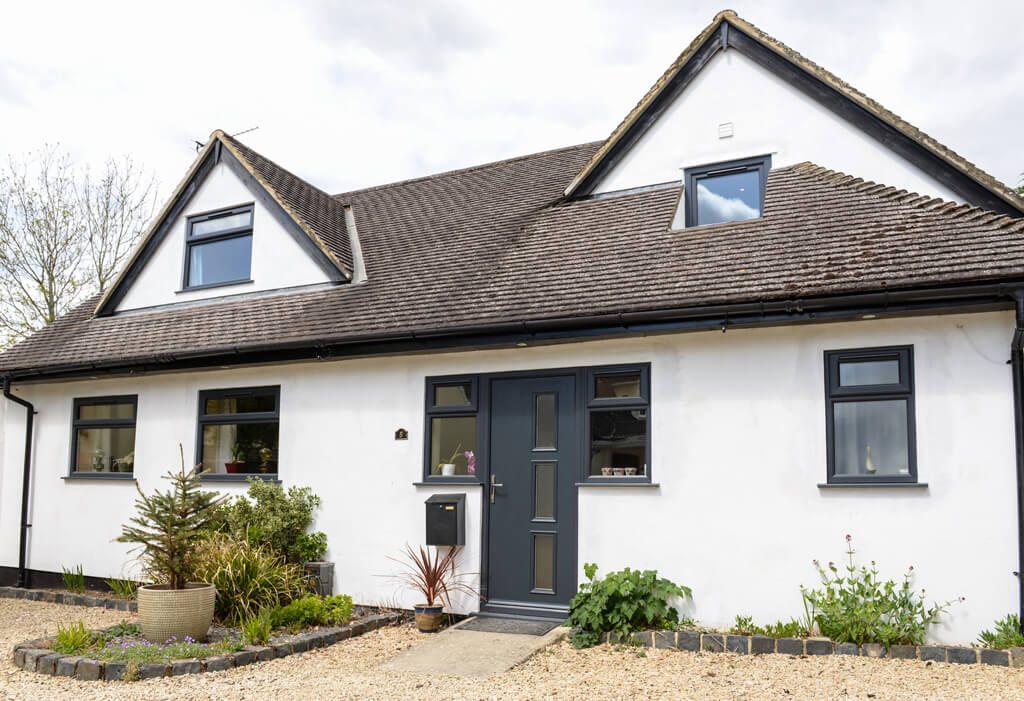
(532, 496)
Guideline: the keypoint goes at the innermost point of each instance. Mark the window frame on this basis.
(254, 417)
(593, 403)
(836, 393)
(77, 423)
(453, 411)
(691, 176)
(192, 240)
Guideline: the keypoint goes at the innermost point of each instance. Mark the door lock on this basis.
(494, 485)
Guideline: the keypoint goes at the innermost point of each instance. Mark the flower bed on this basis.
(119, 653)
(696, 641)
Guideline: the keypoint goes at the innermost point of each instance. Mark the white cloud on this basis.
(349, 94)
(722, 208)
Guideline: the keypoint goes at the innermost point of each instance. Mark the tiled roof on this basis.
(498, 244)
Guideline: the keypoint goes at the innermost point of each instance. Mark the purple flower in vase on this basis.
(470, 462)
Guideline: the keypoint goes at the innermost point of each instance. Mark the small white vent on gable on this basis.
(725, 130)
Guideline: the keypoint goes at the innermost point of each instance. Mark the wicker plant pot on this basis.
(428, 618)
(174, 613)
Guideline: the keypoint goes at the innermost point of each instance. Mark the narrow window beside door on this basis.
(452, 430)
(618, 424)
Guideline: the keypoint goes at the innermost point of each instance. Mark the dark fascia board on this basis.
(982, 297)
(728, 35)
(164, 229)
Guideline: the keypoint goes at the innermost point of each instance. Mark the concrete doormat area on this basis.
(463, 652)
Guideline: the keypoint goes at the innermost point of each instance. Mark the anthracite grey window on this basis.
(724, 192)
(238, 431)
(219, 248)
(103, 435)
(869, 399)
(452, 429)
(618, 424)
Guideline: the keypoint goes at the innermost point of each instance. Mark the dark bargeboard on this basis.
(520, 626)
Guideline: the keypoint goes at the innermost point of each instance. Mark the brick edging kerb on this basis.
(59, 597)
(32, 656)
(762, 644)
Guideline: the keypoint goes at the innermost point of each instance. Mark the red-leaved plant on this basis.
(434, 574)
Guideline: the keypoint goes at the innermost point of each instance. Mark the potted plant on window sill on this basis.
(167, 528)
(435, 577)
(237, 463)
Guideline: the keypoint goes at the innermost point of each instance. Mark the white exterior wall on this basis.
(738, 448)
(769, 117)
(277, 259)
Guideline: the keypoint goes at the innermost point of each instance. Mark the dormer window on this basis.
(724, 192)
(218, 248)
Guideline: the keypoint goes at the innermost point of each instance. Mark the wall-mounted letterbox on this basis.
(446, 519)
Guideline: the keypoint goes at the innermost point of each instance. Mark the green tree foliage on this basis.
(170, 525)
(277, 519)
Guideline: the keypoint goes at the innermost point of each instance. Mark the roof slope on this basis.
(699, 51)
(498, 244)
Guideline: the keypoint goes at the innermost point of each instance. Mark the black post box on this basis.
(446, 519)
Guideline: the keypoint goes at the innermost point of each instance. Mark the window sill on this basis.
(101, 477)
(623, 483)
(242, 478)
(451, 480)
(873, 485)
(213, 285)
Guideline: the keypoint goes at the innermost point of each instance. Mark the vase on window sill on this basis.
(234, 467)
(448, 469)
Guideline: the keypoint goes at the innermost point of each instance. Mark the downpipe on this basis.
(30, 412)
(1017, 367)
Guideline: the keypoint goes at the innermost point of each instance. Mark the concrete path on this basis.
(471, 653)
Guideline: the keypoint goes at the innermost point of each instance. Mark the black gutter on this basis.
(30, 412)
(965, 298)
(1017, 367)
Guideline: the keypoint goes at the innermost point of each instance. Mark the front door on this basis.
(532, 496)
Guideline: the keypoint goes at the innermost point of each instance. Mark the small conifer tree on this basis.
(169, 525)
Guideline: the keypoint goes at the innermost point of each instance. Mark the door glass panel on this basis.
(455, 394)
(544, 490)
(544, 416)
(871, 438)
(869, 372)
(453, 445)
(616, 386)
(544, 561)
(618, 442)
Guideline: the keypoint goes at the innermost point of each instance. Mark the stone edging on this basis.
(58, 597)
(31, 656)
(763, 644)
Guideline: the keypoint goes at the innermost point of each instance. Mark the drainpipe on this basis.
(30, 412)
(1017, 366)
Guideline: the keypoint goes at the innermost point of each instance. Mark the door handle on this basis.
(494, 485)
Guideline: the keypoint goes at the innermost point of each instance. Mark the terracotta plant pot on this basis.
(233, 467)
(174, 613)
(428, 618)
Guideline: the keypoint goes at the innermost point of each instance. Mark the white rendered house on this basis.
(713, 344)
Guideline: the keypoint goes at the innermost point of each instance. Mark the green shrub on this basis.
(270, 516)
(124, 629)
(622, 602)
(123, 588)
(74, 580)
(249, 578)
(855, 606)
(256, 629)
(313, 611)
(1006, 634)
(72, 639)
(780, 629)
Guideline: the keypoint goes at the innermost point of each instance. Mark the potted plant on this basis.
(448, 468)
(167, 528)
(237, 459)
(434, 576)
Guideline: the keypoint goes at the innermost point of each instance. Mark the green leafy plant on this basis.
(780, 629)
(73, 638)
(1007, 633)
(141, 651)
(74, 579)
(123, 588)
(269, 516)
(623, 602)
(249, 578)
(855, 606)
(313, 611)
(170, 525)
(256, 629)
(122, 630)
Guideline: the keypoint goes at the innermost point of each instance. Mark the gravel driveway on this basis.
(350, 670)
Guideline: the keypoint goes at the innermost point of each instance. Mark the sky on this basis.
(354, 93)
